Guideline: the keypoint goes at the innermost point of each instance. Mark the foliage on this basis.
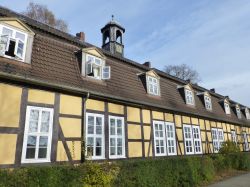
(184, 72)
(171, 171)
(229, 147)
(42, 14)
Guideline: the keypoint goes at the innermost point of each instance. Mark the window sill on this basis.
(34, 161)
(120, 157)
(94, 80)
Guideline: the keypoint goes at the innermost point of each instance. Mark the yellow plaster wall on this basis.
(169, 117)
(61, 153)
(92, 104)
(157, 115)
(133, 114)
(213, 124)
(39, 96)
(70, 105)
(203, 136)
(219, 125)
(7, 148)
(134, 131)
(75, 149)
(10, 101)
(202, 124)
(195, 121)
(209, 136)
(225, 137)
(147, 132)
(182, 148)
(224, 126)
(114, 108)
(134, 149)
(178, 121)
(186, 120)
(146, 116)
(148, 149)
(71, 127)
(179, 134)
(94, 52)
(15, 24)
(207, 125)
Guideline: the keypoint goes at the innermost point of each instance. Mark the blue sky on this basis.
(213, 37)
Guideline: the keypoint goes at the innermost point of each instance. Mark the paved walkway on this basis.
(238, 181)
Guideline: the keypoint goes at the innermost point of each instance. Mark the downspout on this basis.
(83, 146)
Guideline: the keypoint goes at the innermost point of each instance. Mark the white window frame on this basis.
(197, 139)
(116, 137)
(217, 138)
(188, 139)
(238, 112)
(94, 136)
(170, 139)
(247, 113)
(208, 102)
(155, 83)
(189, 97)
(234, 136)
(227, 108)
(245, 141)
(15, 30)
(104, 70)
(159, 138)
(37, 134)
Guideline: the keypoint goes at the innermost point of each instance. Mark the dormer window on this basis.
(189, 97)
(153, 85)
(238, 112)
(93, 64)
(16, 40)
(247, 113)
(227, 108)
(208, 103)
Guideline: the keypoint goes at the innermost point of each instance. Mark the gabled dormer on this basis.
(187, 93)
(93, 64)
(247, 113)
(206, 100)
(16, 40)
(151, 82)
(237, 110)
(226, 105)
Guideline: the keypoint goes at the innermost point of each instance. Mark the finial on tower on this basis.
(112, 17)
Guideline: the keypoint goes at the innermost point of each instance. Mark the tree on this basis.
(42, 14)
(184, 72)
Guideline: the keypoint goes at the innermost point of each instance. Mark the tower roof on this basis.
(111, 23)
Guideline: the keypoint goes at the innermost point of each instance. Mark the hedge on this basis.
(170, 171)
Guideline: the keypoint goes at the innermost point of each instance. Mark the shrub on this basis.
(229, 147)
(171, 171)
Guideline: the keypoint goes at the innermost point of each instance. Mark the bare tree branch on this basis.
(42, 14)
(184, 72)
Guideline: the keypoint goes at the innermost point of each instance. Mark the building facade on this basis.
(65, 100)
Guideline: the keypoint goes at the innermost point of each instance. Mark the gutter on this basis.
(99, 95)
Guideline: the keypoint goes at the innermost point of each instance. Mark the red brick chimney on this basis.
(81, 36)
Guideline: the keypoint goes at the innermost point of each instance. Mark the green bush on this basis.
(171, 171)
(229, 147)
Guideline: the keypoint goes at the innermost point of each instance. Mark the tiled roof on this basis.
(54, 61)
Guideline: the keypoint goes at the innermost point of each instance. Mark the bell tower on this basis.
(112, 34)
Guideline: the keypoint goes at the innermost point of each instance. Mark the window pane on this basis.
(31, 141)
(98, 141)
(7, 31)
(119, 141)
(119, 150)
(112, 141)
(42, 153)
(30, 153)
(112, 150)
(45, 121)
(20, 36)
(90, 129)
(90, 141)
(98, 151)
(98, 129)
(43, 141)
(33, 124)
(90, 120)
